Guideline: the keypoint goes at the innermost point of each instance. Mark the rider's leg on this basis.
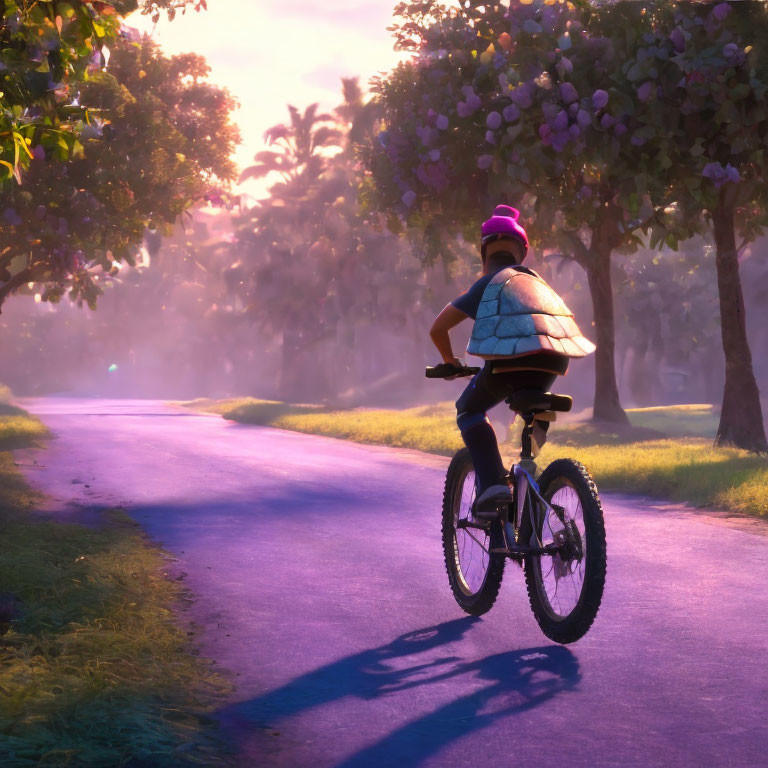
(486, 390)
(480, 395)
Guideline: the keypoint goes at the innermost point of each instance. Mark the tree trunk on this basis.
(741, 417)
(303, 370)
(607, 405)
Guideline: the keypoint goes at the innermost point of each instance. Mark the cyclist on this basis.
(527, 336)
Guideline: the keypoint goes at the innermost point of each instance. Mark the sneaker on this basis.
(491, 500)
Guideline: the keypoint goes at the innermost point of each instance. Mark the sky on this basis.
(269, 53)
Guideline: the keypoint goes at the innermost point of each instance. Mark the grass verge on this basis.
(666, 453)
(94, 668)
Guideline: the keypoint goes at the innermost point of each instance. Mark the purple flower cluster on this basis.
(719, 175)
(470, 104)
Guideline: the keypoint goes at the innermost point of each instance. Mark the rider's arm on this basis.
(447, 319)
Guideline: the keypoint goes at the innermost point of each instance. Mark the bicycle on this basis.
(553, 528)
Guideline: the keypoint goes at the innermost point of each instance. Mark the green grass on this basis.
(681, 469)
(94, 667)
(679, 420)
(664, 453)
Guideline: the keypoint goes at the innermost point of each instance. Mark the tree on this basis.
(47, 50)
(669, 318)
(316, 270)
(159, 139)
(526, 104)
(703, 109)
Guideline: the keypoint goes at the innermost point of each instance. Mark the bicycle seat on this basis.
(533, 401)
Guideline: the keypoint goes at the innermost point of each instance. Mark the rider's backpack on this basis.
(520, 313)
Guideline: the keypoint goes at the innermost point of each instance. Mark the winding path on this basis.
(318, 570)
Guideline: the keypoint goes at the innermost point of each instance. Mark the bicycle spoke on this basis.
(562, 580)
(472, 550)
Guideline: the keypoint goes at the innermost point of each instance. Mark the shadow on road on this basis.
(514, 682)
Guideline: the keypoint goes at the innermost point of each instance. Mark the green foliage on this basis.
(18, 429)
(703, 119)
(46, 50)
(668, 305)
(526, 104)
(157, 141)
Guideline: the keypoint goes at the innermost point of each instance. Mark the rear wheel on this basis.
(565, 589)
(473, 572)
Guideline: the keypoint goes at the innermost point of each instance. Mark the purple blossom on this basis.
(645, 91)
(599, 99)
(619, 129)
(484, 162)
(607, 121)
(564, 66)
(11, 217)
(561, 121)
(568, 93)
(550, 111)
(573, 110)
(511, 113)
(434, 155)
(585, 192)
(544, 131)
(583, 118)
(464, 109)
(38, 153)
(490, 137)
(637, 140)
(719, 175)
(442, 122)
(426, 134)
(575, 131)
(677, 39)
(409, 198)
(531, 27)
(732, 52)
(559, 140)
(721, 11)
(471, 98)
(433, 175)
(521, 96)
(493, 121)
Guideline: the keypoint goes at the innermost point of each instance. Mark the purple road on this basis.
(318, 569)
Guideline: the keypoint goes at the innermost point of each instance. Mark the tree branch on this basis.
(25, 276)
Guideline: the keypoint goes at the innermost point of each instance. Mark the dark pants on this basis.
(484, 391)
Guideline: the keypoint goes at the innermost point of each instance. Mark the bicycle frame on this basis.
(527, 494)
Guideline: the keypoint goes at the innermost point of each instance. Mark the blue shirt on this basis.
(469, 302)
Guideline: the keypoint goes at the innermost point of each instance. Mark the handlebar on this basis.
(444, 370)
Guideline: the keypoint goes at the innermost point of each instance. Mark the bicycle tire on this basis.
(568, 629)
(481, 601)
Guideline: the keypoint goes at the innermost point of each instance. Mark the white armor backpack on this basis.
(519, 314)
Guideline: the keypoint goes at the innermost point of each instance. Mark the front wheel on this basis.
(565, 589)
(474, 573)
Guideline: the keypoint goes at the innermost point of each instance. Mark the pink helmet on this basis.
(502, 224)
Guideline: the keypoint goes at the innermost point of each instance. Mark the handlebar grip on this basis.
(444, 370)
